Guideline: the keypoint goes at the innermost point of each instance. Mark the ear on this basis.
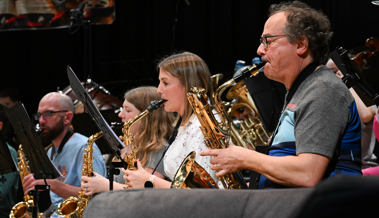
(1, 125)
(68, 117)
(302, 46)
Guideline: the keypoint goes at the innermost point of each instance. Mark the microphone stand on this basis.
(112, 170)
(77, 20)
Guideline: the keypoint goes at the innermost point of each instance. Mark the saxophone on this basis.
(215, 134)
(21, 208)
(74, 206)
(247, 133)
(127, 137)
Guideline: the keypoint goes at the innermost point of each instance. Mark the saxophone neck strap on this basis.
(175, 132)
(170, 141)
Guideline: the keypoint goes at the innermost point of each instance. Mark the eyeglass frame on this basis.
(48, 114)
(263, 39)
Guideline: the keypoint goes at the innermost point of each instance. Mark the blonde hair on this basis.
(191, 71)
(155, 128)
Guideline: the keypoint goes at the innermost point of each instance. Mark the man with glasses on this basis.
(318, 134)
(55, 113)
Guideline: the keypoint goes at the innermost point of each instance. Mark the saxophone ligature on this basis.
(74, 206)
(21, 208)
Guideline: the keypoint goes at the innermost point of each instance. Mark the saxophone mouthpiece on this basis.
(248, 71)
(155, 104)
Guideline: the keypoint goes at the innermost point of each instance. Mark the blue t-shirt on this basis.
(320, 118)
(70, 161)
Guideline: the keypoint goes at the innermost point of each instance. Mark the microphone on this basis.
(76, 16)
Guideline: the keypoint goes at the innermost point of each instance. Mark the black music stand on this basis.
(83, 123)
(40, 164)
(109, 135)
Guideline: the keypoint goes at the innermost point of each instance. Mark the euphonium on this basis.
(74, 206)
(240, 113)
(127, 137)
(21, 208)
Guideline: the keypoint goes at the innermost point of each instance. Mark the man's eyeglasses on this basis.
(264, 39)
(48, 114)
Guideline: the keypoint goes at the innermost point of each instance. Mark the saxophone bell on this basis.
(191, 175)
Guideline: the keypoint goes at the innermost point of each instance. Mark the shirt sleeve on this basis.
(321, 118)
(98, 160)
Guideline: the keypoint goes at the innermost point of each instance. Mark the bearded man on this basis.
(55, 113)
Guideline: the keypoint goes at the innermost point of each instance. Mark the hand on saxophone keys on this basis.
(136, 178)
(95, 184)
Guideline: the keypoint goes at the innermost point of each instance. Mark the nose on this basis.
(120, 114)
(261, 50)
(159, 89)
(41, 120)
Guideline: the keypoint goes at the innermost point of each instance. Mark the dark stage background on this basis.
(124, 53)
